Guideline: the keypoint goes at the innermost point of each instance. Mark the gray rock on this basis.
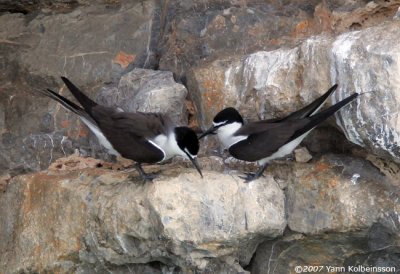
(116, 222)
(283, 255)
(385, 233)
(377, 247)
(200, 32)
(368, 61)
(148, 91)
(338, 193)
(302, 155)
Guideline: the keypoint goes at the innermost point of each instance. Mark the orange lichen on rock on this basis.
(75, 162)
(65, 124)
(123, 59)
(320, 167)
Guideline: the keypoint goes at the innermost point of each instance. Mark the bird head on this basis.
(224, 118)
(188, 143)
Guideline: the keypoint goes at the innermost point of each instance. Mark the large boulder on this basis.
(368, 61)
(338, 194)
(148, 90)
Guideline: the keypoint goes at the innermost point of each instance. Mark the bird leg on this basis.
(145, 176)
(253, 176)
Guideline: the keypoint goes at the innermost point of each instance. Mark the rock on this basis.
(200, 33)
(377, 246)
(385, 233)
(94, 220)
(337, 193)
(372, 123)
(148, 91)
(397, 15)
(302, 155)
(4, 179)
(283, 255)
(89, 57)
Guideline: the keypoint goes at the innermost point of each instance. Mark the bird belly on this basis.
(284, 150)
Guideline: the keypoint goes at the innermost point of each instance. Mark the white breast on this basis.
(168, 145)
(226, 134)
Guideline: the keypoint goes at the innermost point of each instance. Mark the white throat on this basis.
(168, 145)
(226, 134)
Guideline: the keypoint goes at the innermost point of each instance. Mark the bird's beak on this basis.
(211, 130)
(196, 164)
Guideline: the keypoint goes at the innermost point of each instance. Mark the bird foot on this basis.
(250, 176)
(149, 177)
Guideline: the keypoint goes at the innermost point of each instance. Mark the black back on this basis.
(128, 132)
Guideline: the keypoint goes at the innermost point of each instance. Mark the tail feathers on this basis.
(313, 107)
(85, 101)
(332, 109)
(321, 116)
(67, 104)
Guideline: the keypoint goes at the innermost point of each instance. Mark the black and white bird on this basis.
(266, 140)
(141, 137)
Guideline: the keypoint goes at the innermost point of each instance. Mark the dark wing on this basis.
(264, 139)
(129, 132)
(147, 125)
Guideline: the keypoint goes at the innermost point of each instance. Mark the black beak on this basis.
(211, 130)
(195, 163)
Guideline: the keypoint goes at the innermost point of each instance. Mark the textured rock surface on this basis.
(109, 220)
(375, 122)
(201, 31)
(148, 91)
(102, 219)
(338, 194)
(338, 251)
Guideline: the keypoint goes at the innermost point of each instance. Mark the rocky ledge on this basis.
(85, 216)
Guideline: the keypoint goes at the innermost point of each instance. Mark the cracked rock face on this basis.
(148, 91)
(179, 220)
(368, 61)
(76, 218)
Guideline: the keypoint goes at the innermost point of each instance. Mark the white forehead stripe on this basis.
(218, 124)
